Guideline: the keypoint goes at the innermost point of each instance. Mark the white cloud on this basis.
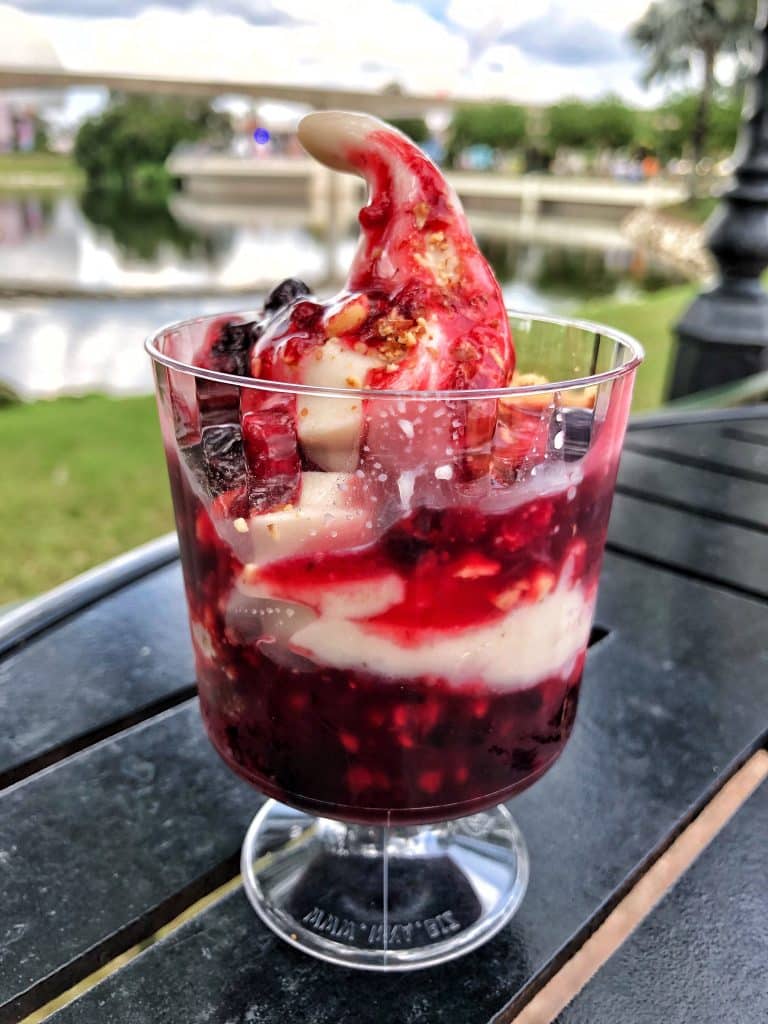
(472, 17)
(168, 42)
(357, 44)
(615, 15)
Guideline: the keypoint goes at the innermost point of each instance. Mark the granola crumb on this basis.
(465, 352)
(508, 598)
(420, 214)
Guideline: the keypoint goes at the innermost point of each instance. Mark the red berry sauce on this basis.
(367, 747)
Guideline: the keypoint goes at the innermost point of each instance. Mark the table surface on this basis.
(116, 815)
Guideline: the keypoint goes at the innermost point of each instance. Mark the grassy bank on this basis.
(38, 170)
(84, 479)
(695, 211)
(650, 320)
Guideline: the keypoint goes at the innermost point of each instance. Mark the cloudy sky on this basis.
(528, 52)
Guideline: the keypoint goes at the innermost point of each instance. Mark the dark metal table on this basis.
(116, 816)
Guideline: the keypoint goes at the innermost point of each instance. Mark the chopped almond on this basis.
(348, 318)
(543, 583)
(474, 567)
(508, 598)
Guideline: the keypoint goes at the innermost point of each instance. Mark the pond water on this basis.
(83, 279)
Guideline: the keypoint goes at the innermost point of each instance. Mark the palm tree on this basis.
(687, 36)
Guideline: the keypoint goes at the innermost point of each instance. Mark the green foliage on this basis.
(673, 34)
(414, 127)
(614, 123)
(570, 124)
(7, 394)
(671, 126)
(724, 123)
(605, 124)
(135, 131)
(677, 36)
(500, 125)
(42, 142)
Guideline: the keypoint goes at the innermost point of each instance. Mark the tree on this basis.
(136, 131)
(671, 126)
(606, 124)
(614, 124)
(678, 37)
(414, 127)
(42, 139)
(500, 125)
(570, 124)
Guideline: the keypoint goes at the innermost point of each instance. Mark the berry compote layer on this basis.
(390, 594)
(378, 653)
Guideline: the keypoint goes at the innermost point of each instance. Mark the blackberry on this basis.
(404, 549)
(194, 459)
(284, 294)
(523, 758)
(223, 456)
(232, 349)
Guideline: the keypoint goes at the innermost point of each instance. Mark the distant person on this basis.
(650, 166)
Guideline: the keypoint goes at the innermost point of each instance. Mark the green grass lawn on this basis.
(41, 164)
(650, 320)
(84, 479)
(696, 210)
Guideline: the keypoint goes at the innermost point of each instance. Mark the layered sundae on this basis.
(390, 587)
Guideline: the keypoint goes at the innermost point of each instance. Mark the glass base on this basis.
(384, 897)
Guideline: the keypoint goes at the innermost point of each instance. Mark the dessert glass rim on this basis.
(635, 349)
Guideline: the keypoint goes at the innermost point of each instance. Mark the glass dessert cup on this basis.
(390, 597)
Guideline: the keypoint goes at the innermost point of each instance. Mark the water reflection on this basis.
(112, 241)
(115, 245)
(141, 227)
(568, 274)
(101, 271)
(21, 218)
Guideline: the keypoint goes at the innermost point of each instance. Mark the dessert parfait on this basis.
(392, 510)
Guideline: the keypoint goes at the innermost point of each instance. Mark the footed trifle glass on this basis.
(391, 597)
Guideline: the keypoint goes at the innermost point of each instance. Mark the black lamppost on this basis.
(723, 336)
